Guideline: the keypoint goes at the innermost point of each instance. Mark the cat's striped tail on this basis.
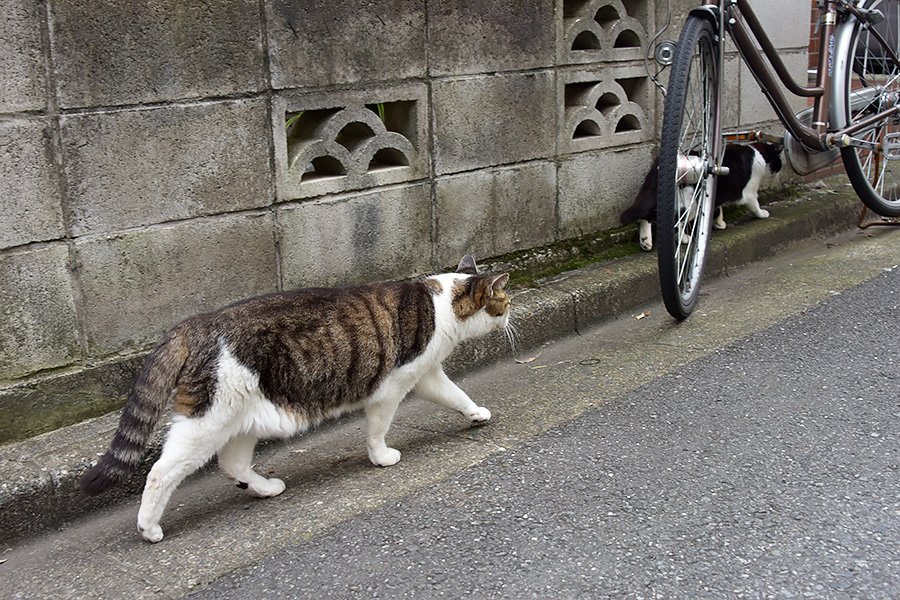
(145, 405)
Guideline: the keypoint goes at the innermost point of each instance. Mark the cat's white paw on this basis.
(479, 415)
(385, 458)
(719, 224)
(762, 214)
(645, 235)
(271, 487)
(152, 533)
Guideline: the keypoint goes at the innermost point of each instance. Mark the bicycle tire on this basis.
(685, 203)
(867, 83)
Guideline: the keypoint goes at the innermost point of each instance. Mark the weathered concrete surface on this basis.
(129, 54)
(21, 59)
(519, 202)
(131, 278)
(179, 168)
(365, 42)
(37, 303)
(468, 36)
(473, 129)
(29, 191)
(584, 175)
(533, 121)
(368, 235)
(59, 400)
(213, 529)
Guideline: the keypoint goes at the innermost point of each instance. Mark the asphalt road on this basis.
(751, 451)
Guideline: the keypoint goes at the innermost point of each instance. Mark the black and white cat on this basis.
(748, 165)
(276, 365)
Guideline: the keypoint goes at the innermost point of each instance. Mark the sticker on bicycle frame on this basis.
(831, 55)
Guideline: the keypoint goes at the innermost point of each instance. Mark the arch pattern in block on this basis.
(349, 147)
(602, 113)
(351, 136)
(601, 30)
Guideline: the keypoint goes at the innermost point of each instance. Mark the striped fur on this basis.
(143, 409)
(275, 365)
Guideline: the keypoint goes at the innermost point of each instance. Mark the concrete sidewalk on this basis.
(39, 476)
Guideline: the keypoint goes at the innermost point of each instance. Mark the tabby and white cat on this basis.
(748, 165)
(275, 365)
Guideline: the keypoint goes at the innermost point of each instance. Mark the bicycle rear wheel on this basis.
(867, 82)
(687, 159)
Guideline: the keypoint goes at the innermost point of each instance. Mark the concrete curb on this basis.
(39, 489)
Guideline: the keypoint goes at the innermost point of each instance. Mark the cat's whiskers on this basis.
(512, 336)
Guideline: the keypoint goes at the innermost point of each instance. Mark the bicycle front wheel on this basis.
(867, 82)
(687, 160)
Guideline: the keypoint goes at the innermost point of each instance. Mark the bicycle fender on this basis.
(709, 12)
(843, 40)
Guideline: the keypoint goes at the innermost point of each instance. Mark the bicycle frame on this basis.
(741, 23)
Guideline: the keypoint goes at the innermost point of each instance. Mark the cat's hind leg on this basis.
(436, 387)
(645, 236)
(235, 460)
(188, 447)
(719, 223)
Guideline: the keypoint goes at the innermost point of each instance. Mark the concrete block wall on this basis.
(162, 159)
(787, 26)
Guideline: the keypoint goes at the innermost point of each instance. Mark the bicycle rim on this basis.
(869, 84)
(686, 188)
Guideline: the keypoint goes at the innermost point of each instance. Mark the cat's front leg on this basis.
(436, 387)
(379, 415)
(751, 201)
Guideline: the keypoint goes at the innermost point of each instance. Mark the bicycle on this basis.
(856, 111)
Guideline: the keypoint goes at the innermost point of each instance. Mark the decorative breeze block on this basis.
(601, 113)
(355, 145)
(601, 30)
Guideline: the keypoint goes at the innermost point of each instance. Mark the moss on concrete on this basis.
(526, 267)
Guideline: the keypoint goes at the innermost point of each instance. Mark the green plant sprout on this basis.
(291, 121)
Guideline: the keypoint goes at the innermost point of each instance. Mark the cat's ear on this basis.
(498, 283)
(467, 266)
